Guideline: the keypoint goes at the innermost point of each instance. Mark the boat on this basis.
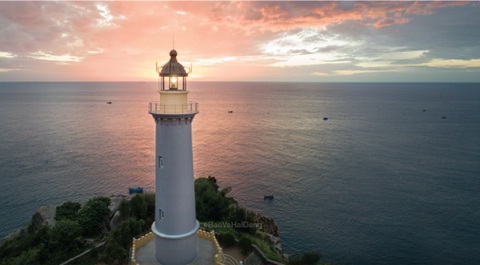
(135, 190)
(268, 197)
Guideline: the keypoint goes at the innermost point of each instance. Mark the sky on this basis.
(288, 41)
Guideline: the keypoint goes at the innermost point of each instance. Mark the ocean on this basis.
(391, 176)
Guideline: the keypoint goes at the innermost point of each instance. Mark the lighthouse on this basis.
(175, 223)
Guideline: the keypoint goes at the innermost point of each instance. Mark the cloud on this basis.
(307, 40)
(106, 19)
(288, 15)
(453, 63)
(7, 55)
(355, 72)
(390, 67)
(4, 70)
(271, 38)
(218, 60)
(39, 55)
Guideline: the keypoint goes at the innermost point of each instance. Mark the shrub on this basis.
(94, 216)
(210, 204)
(65, 237)
(245, 219)
(23, 248)
(68, 210)
(120, 240)
(226, 239)
(27, 257)
(245, 245)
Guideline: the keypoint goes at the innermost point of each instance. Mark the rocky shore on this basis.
(267, 227)
(270, 232)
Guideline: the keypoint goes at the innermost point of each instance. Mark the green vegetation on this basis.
(94, 216)
(213, 206)
(210, 204)
(136, 217)
(226, 239)
(232, 223)
(120, 240)
(67, 238)
(140, 207)
(65, 235)
(68, 210)
(245, 245)
(264, 245)
(75, 223)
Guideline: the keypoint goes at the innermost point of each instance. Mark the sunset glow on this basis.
(319, 41)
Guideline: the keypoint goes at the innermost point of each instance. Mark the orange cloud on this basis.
(91, 37)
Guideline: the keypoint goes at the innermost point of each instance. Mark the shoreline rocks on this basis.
(267, 224)
(115, 202)
(269, 231)
(44, 216)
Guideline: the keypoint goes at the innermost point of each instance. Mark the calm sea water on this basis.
(385, 180)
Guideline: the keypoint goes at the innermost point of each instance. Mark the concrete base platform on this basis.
(205, 254)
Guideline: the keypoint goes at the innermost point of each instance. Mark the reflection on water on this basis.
(380, 181)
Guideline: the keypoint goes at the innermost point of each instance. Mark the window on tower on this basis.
(161, 214)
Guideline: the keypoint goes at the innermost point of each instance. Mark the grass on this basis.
(263, 244)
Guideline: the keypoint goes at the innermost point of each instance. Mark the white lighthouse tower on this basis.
(175, 223)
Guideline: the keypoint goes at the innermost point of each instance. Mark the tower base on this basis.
(177, 249)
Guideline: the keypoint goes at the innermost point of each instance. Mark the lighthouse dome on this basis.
(173, 67)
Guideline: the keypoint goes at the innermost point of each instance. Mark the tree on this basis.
(120, 239)
(140, 207)
(64, 240)
(94, 216)
(125, 209)
(226, 239)
(15, 249)
(210, 204)
(126, 230)
(245, 220)
(68, 210)
(27, 257)
(245, 245)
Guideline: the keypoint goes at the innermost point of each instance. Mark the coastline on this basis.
(266, 226)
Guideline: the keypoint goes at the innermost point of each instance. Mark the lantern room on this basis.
(172, 88)
(172, 75)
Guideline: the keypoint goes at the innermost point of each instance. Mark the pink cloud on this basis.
(116, 38)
